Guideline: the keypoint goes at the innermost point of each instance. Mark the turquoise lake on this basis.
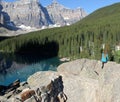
(12, 67)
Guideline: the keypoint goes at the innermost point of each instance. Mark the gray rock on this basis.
(5, 20)
(62, 15)
(32, 13)
(25, 12)
(43, 78)
(104, 84)
(51, 91)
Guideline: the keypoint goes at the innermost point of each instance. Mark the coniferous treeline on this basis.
(83, 39)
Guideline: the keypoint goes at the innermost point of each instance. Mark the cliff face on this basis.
(64, 16)
(32, 13)
(5, 21)
(26, 12)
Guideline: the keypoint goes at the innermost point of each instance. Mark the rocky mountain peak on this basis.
(56, 4)
(54, 1)
(26, 1)
(64, 16)
(31, 13)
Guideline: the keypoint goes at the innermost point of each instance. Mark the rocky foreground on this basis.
(81, 80)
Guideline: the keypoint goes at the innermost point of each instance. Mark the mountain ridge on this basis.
(69, 16)
(32, 13)
(104, 12)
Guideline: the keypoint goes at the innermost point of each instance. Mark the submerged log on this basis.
(2, 89)
(13, 85)
(6, 89)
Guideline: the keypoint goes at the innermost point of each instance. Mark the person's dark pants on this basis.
(103, 64)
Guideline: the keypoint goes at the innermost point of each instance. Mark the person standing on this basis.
(104, 58)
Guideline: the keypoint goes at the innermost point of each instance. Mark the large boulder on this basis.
(106, 80)
(85, 81)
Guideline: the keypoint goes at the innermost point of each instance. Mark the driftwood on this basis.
(2, 89)
(6, 89)
(27, 94)
(53, 92)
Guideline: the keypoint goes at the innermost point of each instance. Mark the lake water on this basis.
(12, 67)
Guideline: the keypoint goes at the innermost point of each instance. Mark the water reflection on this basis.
(14, 67)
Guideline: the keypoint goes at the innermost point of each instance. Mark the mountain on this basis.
(26, 12)
(32, 13)
(106, 15)
(64, 16)
(5, 20)
(82, 39)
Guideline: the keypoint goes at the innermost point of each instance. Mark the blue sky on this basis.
(88, 5)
